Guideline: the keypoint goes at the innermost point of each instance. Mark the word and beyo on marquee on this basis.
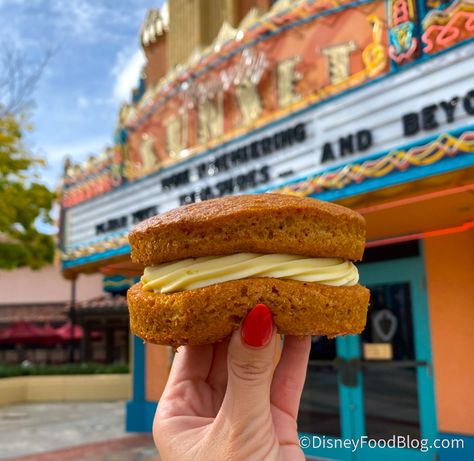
(428, 118)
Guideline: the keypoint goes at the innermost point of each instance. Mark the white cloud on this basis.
(90, 20)
(126, 71)
(78, 16)
(82, 102)
(85, 102)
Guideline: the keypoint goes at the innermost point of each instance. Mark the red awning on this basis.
(25, 333)
(65, 332)
(50, 335)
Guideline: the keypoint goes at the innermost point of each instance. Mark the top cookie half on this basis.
(259, 223)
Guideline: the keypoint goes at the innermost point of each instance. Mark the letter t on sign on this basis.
(176, 135)
(249, 101)
(339, 61)
(211, 118)
(287, 77)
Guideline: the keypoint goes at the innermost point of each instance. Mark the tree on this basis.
(23, 200)
(18, 79)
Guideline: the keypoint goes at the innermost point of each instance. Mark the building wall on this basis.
(450, 265)
(213, 15)
(157, 366)
(201, 20)
(184, 16)
(244, 6)
(45, 285)
(157, 62)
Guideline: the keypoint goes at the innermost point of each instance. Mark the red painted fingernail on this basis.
(257, 327)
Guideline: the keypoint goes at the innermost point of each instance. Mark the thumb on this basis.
(250, 364)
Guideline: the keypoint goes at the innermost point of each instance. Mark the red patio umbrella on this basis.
(50, 335)
(64, 332)
(21, 333)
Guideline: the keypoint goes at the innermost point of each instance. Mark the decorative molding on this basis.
(403, 46)
(248, 33)
(111, 242)
(445, 28)
(446, 145)
(374, 60)
(94, 177)
(156, 24)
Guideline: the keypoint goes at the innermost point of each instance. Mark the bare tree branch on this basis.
(18, 79)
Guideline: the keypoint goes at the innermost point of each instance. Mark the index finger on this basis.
(191, 363)
(290, 374)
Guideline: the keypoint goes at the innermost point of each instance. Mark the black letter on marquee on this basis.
(468, 102)
(286, 138)
(267, 145)
(328, 153)
(225, 187)
(346, 146)
(265, 174)
(202, 169)
(255, 150)
(187, 198)
(300, 132)
(278, 141)
(221, 163)
(411, 124)
(206, 193)
(449, 108)
(364, 139)
(428, 119)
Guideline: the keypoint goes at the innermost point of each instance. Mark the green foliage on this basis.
(10, 371)
(22, 202)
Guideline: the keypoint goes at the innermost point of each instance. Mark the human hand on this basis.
(228, 402)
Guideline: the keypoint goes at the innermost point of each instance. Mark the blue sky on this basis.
(96, 62)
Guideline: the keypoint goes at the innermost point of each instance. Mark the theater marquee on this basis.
(353, 128)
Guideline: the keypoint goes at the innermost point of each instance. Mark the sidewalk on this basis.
(89, 431)
(131, 448)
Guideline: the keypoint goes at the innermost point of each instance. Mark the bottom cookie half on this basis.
(210, 314)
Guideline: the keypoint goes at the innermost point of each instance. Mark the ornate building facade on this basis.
(369, 104)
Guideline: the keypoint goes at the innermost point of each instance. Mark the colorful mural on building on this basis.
(252, 75)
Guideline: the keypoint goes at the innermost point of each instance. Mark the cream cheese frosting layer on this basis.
(189, 274)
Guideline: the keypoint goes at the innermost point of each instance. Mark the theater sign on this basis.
(267, 108)
(250, 87)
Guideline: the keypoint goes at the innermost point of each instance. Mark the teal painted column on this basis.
(139, 412)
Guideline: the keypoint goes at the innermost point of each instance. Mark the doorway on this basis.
(377, 386)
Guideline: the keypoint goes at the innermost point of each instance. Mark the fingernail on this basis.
(257, 327)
